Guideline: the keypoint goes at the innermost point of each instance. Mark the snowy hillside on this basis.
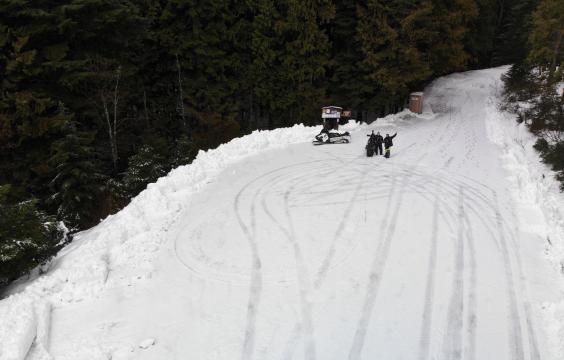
(271, 248)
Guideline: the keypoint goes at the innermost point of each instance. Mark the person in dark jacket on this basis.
(378, 140)
(388, 143)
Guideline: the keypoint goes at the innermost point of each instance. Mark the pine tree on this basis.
(441, 33)
(183, 152)
(28, 237)
(484, 30)
(390, 55)
(546, 58)
(511, 46)
(145, 167)
(78, 184)
(196, 39)
(546, 39)
(30, 116)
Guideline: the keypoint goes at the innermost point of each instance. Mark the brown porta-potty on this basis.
(416, 102)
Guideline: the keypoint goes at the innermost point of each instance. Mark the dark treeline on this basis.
(534, 86)
(100, 97)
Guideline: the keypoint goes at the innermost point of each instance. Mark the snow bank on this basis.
(25, 320)
(534, 187)
(120, 250)
(18, 328)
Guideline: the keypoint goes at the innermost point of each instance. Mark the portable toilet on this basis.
(331, 116)
(416, 102)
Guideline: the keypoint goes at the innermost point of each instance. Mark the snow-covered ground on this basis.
(271, 248)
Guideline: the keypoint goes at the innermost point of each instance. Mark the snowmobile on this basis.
(331, 137)
(331, 116)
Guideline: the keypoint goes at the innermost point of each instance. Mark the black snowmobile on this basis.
(331, 137)
(331, 116)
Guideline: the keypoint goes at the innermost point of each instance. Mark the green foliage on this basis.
(536, 80)
(541, 145)
(511, 45)
(28, 237)
(484, 30)
(183, 152)
(554, 156)
(145, 166)
(404, 43)
(547, 35)
(346, 85)
(78, 183)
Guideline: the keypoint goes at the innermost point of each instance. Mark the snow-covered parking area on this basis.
(271, 248)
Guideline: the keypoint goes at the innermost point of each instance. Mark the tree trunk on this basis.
(112, 120)
(555, 64)
(251, 112)
(180, 94)
(113, 146)
(147, 122)
(116, 99)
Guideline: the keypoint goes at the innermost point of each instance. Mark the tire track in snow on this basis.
(255, 288)
(452, 342)
(377, 268)
(303, 278)
(515, 332)
(301, 270)
(256, 274)
(303, 281)
(291, 345)
(322, 272)
(534, 352)
(471, 318)
(425, 338)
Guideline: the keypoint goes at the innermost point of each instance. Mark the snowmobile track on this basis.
(256, 276)
(515, 330)
(425, 336)
(387, 228)
(322, 272)
(471, 317)
(452, 341)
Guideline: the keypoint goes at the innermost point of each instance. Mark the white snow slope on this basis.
(271, 248)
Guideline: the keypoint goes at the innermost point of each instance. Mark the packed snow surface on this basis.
(271, 248)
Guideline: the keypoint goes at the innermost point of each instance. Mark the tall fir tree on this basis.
(28, 236)
(511, 44)
(78, 184)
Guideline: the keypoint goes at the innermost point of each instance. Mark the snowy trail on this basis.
(321, 253)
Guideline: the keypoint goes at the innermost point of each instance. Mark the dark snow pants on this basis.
(378, 149)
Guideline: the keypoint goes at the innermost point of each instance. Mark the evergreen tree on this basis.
(306, 57)
(78, 185)
(536, 78)
(30, 115)
(196, 40)
(145, 166)
(28, 237)
(512, 42)
(484, 31)
(183, 152)
(547, 36)
(345, 86)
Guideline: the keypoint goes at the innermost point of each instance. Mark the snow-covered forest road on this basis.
(318, 252)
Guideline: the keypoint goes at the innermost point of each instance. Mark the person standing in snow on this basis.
(388, 143)
(378, 140)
